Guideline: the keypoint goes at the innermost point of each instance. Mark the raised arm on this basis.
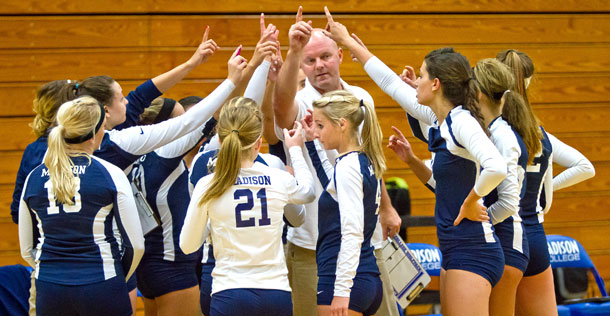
(192, 235)
(401, 146)
(579, 168)
(284, 105)
(383, 76)
(266, 46)
(300, 188)
(140, 140)
(182, 146)
(142, 96)
(167, 80)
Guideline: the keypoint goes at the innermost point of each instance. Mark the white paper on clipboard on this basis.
(407, 276)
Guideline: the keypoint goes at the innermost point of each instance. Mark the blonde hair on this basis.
(342, 104)
(150, 113)
(74, 118)
(496, 81)
(240, 126)
(49, 97)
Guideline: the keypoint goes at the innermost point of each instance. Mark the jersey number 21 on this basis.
(248, 205)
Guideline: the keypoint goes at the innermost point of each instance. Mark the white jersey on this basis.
(579, 168)
(246, 225)
(306, 235)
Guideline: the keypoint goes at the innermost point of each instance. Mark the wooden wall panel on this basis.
(568, 40)
(290, 7)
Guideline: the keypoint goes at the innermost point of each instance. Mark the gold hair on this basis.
(48, 98)
(150, 113)
(494, 78)
(74, 118)
(342, 104)
(240, 125)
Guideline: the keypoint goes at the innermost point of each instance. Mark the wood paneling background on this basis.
(134, 40)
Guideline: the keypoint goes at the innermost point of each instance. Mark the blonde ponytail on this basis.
(49, 97)
(74, 119)
(372, 138)
(240, 125)
(342, 104)
(497, 83)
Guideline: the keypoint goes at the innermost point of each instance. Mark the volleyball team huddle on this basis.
(299, 230)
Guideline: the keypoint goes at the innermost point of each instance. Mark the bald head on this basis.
(319, 38)
(321, 59)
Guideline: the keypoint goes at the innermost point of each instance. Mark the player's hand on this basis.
(206, 49)
(237, 64)
(276, 65)
(299, 33)
(339, 306)
(408, 76)
(294, 137)
(360, 42)
(307, 123)
(473, 211)
(401, 146)
(390, 221)
(266, 46)
(335, 30)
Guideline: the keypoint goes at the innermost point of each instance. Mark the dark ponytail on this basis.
(453, 71)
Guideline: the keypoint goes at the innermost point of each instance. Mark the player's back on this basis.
(77, 243)
(246, 229)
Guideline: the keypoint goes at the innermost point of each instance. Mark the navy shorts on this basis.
(205, 288)
(132, 283)
(365, 296)
(484, 259)
(512, 235)
(157, 277)
(540, 259)
(109, 297)
(254, 302)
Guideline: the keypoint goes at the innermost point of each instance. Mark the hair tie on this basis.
(166, 110)
(505, 92)
(235, 131)
(82, 138)
(75, 88)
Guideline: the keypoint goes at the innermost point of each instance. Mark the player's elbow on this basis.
(588, 169)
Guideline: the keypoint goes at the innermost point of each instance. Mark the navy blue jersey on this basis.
(138, 100)
(80, 243)
(162, 177)
(347, 217)
(537, 177)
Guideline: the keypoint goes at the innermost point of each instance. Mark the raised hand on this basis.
(335, 30)
(408, 76)
(237, 64)
(206, 49)
(401, 146)
(267, 45)
(276, 65)
(307, 123)
(300, 32)
(294, 137)
(359, 41)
